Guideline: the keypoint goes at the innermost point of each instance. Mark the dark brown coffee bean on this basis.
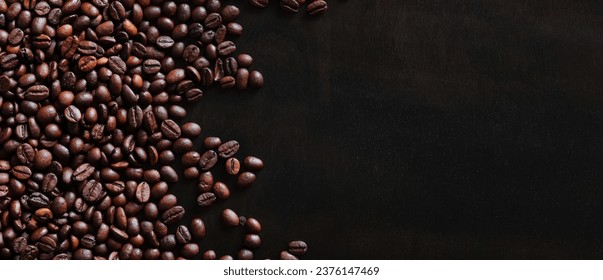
(72, 114)
(135, 116)
(221, 190)
(191, 130)
(256, 79)
(47, 244)
(230, 217)
(190, 159)
(317, 7)
(165, 42)
(83, 172)
(253, 163)
(252, 241)
(228, 149)
(183, 235)
(226, 48)
(290, 6)
(242, 78)
(253, 225)
(190, 250)
(245, 179)
(245, 254)
(87, 63)
(151, 66)
(170, 129)
(37, 93)
(212, 142)
(212, 20)
(208, 160)
(21, 172)
(297, 247)
(175, 76)
(206, 199)
(168, 174)
(143, 192)
(16, 36)
(197, 228)
(117, 65)
(232, 166)
(69, 46)
(92, 191)
(173, 215)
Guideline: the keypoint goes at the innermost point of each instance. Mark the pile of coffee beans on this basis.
(91, 109)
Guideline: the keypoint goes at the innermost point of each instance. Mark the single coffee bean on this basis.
(232, 166)
(208, 160)
(143, 192)
(253, 225)
(252, 241)
(290, 6)
(197, 228)
(256, 79)
(245, 179)
(183, 235)
(230, 217)
(221, 190)
(170, 129)
(206, 199)
(317, 7)
(92, 191)
(253, 163)
(83, 172)
(173, 215)
(298, 247)
(228, 149)
(212, 142)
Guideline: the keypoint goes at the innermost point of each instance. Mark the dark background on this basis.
(417, 129)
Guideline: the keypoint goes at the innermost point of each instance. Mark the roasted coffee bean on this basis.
(208, 160)
(206, 199)
(253, 225)
(83, 172)
(197, 228)
(252, 241)
(221, 190)
(290, 6)
(92, 191)
(232, 166)
(230, 218)
(256, 79)
(173, 215)
(317, 7)
(183, 235)
(297, 247)
(151, 66)
(253, 163)
(245, 179)
(170, 129)
(143, 192)
(228, 149)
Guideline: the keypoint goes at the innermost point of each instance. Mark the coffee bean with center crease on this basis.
(83, 172)
(87, 63)
(16, 36)
(151, 66)
(173, 215)
(298, 247)
(21, 172)
(143, 192)
(290, 6)
(117, 65)
(37, 93)
(226, 48)
(164, 42)
(208, 160)
(206, 199)
(183, 235)
(228, 149)
(92, 191)
(317, 7)
(72, 114)
(232, 166)
(170, 129)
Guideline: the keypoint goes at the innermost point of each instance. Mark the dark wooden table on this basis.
(418, 129)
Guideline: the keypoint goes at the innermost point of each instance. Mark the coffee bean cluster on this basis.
(92, 97)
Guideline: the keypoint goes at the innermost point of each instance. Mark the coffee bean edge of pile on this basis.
(91, 109)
